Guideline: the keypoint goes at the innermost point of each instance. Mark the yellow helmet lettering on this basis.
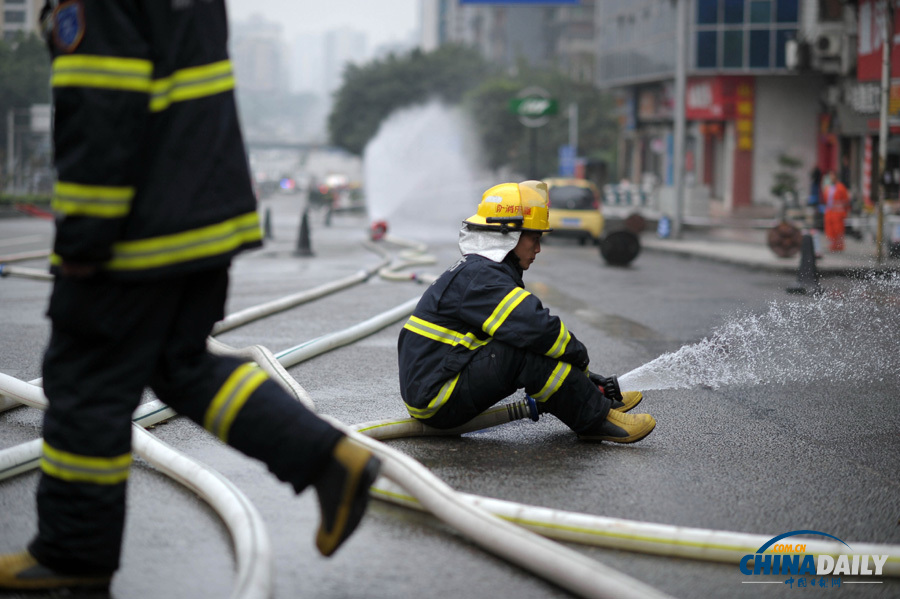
(513, 207)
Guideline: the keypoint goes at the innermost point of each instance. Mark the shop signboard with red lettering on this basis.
(870, 41)
(703, 100)
(724, 98)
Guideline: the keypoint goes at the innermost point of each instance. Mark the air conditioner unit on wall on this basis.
(829, 44)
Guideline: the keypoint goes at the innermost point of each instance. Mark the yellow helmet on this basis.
(508, 207)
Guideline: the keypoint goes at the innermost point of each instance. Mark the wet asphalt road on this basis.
(765, 459)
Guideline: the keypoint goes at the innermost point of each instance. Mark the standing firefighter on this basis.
(477, 336)
(154, 199)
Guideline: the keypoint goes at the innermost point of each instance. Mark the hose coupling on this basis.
(524, 408)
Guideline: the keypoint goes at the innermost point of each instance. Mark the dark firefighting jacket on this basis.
(473, 303)
(152, 177)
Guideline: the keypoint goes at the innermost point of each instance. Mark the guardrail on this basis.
(615, 195)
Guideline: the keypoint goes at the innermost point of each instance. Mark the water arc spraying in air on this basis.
(852, 335)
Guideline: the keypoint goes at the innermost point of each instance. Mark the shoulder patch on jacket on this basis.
(68, 25)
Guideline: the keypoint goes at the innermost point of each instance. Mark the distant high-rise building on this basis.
(258, 53)
(308, 72)
(505, 33)
(342, 46)
(19, 16)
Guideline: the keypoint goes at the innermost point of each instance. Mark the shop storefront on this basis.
(721, 111)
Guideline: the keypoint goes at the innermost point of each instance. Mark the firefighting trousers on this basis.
(110, 340)
(499, 369)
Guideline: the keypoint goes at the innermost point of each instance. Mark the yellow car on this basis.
(575, 209)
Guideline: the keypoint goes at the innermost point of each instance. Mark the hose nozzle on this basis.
(611, 388)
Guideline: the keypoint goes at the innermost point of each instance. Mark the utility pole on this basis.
(573, 126)
(887, 31)
(10, 146)
(681, 8)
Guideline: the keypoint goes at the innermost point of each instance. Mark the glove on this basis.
(609, 386)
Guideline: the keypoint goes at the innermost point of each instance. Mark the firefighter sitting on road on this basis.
(477, 335)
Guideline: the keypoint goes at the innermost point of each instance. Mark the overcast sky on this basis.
(382, 20)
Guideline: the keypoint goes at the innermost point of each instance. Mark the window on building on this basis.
(831, 10)
(745, 34)
(761, 11)
(734, 11)
(759, 49)
(14, 16)
(782, 37)
(706, 50)
(707, 12)
(733, 50)
(787, 11)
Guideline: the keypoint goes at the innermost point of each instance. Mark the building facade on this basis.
(750, 110)
(19, 17)
(507, 33)
(771, 85)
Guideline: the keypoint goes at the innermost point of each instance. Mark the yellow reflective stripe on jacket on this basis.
(135, 74)
(85, 469)
(442, 334)
(435, 404)
(102, 201)
(192, 83)
(108, 72)
(554, 381)
(562, 341)
(503, 309)
(204, 242)
(231, 397)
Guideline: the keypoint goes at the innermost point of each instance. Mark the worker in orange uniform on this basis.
(837, 204)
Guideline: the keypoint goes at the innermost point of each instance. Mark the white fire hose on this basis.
(251, 542)
(468, 513)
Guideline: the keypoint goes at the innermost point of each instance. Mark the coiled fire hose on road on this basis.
(247, 528)
(574, 571)
(622, 534)
(557, 564)
(7, 270)
(242, 317)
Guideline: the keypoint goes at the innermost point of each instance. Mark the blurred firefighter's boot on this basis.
(343, 490)
(20, 571)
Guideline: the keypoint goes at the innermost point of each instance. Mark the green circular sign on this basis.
(533, 106)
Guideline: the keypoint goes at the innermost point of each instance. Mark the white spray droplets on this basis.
(849, 335)
(422, 174)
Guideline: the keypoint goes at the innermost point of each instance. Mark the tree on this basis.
(457, 75)
(371, 92)
(503, 137)
(506, 141)
(784, 182)
(25, 73)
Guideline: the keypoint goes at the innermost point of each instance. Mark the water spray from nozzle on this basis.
(838, 336)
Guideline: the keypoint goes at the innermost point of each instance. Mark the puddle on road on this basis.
(611, 324)
(616, 326)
